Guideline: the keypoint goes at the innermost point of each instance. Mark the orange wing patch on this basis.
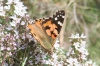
(51, 31)
(48, 23)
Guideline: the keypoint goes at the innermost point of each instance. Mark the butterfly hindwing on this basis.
(39, 34)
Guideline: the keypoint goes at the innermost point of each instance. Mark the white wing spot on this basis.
(59, 23)
(56, 18)
(63, 16)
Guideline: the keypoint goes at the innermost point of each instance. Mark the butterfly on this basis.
(46, 30)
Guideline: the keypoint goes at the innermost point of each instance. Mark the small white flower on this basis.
(9, 28)
(16, 32)
(1, 8)
(2, 39)
(70, 51)
(77, 36)
(20, 9)
(7, 7)
(59, 64)
(38, 57)
(30, 62)
(77, 45)
(73, 61)
(90, 63)
(2, 48)
(10, 53)
(15, 48)
(14, 17)
(8, 48)
(54, 56)
(83, 57)
(22, 23)
(82, 36)
(9, 2)
(56, 45)
(1, 33)
(48, 62)
(72, 36)
(43, 55)
(13, 23)
(70, 60)
(17, 1)
(2, 12)
(17, 20)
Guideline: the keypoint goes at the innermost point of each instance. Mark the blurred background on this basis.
(82, 16)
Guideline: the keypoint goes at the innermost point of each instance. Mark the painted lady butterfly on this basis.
(46, 30)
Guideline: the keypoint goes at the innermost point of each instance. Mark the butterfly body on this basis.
(46, 30)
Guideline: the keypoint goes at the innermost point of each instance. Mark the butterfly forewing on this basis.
(53, 25)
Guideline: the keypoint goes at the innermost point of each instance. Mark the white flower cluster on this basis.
(19, 8)
(11, 14)
(47, 59)
(77, 55)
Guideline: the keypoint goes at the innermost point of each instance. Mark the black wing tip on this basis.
(62, 12)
